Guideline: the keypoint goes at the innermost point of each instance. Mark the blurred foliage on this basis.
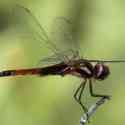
(97, 26)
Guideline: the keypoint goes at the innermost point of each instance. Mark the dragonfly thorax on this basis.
(100, 71)
(86, 69)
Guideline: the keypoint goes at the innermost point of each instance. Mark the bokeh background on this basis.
(98, 28)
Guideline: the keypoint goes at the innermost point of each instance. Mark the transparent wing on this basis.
(64, 35)
(63, 58)
(26, 21)
(107, 61)
(27, 26)
(61, 41)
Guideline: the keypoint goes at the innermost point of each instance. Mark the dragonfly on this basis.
(86, 69)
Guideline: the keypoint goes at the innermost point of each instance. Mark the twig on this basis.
(85, 118)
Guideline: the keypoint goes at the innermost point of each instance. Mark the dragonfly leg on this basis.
(78, 95)
(96, 95)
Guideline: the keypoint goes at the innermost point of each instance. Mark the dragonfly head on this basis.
(101, 71)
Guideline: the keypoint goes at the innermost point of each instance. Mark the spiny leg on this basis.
(96, 95)
(78, 93)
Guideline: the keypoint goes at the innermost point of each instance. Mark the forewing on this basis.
(29, 24)
(62, 40)
(65, 36)
(28, 27)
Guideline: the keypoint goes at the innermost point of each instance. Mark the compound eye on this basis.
(101, 71)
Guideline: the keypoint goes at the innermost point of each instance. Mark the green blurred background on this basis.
(99, 29)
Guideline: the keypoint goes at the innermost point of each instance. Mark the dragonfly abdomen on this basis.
(7, 73)
(34, 71)
(57, 69)
(50, 70)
